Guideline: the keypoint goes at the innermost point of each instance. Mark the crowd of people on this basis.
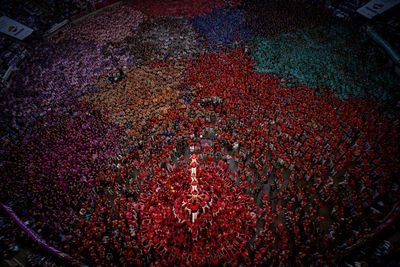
(163, 38)
(58, 161)
(144, 93)
(281, 163)
(141, 146)
(93, 29)
(312, 156)
(269, 18)
(334, 56)
(185, 8)
(63, 69)
(222, 28)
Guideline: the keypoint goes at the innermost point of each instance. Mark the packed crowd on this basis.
(163, 38)
(138, 147)
(58, 161)
(145, 93)
(269, 18)
(321, 58)
(222, 27)
(308, 160)
(93, 29)
(50, 83)
(60, 71)
(286, 172)
(185, 8)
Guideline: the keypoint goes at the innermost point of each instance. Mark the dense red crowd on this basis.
(282, 175)
(316, 158)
